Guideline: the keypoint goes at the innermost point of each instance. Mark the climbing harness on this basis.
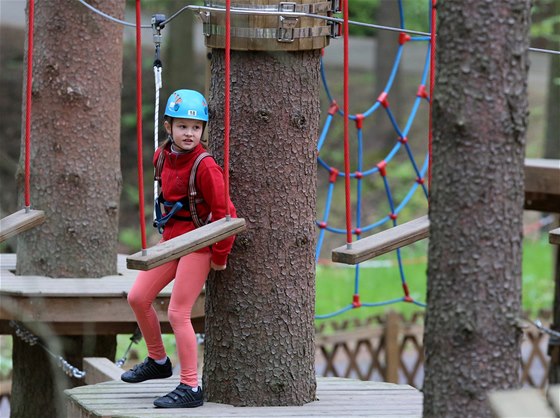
(160, 219)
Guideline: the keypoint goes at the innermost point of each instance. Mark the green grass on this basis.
(380, 281)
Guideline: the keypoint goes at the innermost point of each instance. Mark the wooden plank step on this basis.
(554, 236)
(185, 244)
(383, 242)
(336, 397)
(19, 222)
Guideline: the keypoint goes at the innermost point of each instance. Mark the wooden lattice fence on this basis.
(391, 349)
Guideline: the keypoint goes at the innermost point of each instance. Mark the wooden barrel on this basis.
(250, 32)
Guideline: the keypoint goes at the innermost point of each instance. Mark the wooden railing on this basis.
(391, 349)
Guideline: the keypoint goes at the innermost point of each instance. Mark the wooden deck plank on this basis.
(520, 403)
(337, 397)
(185, 244)
(553, 396)
(554, 236)
(383, 242)
(19, 222)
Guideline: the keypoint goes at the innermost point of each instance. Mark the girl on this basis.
(192, 188)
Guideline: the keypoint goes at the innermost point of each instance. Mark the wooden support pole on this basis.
(392, 355)
(19, 222)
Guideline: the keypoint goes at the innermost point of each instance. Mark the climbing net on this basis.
(380, 169)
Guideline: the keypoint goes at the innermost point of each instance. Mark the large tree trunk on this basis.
(260, 311)
(75, 175)
(472, 335)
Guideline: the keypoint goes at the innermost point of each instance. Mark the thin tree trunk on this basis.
(472, 334)
(75, 176)
(260, 311)
(385, 135)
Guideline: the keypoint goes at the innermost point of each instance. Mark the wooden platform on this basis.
(337, 397)
(77, 306)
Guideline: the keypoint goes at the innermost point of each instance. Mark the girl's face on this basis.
(186, 133)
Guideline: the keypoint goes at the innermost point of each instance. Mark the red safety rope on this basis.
(139, 124)
(346, 128)
(432, 83)
(29, 83)
(227, 110)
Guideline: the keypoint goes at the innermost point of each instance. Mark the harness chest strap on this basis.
(192, 192)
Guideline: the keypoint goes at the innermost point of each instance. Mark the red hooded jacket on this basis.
(175, 176)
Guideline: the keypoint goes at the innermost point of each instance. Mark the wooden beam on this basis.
(100, 369)
(542, 185)
(19, 222)
(383, 242)
(185, 244)
(554, 236)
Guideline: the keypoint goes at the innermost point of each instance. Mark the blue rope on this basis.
(359, 175)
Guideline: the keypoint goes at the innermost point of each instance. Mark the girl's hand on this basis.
(217, 267)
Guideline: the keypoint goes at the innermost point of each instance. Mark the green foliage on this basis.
(415, 13)
(380, 281)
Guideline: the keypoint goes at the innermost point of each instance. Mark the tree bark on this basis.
(75, 175)
(260, 311)
(472, 334)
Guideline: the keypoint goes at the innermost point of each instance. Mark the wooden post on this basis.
(392, 357)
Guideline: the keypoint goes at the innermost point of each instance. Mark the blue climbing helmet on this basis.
(187, 104)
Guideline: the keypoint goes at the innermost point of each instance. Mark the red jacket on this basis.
(209, 185)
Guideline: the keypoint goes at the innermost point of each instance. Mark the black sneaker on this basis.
(148, 370)
(182, 397)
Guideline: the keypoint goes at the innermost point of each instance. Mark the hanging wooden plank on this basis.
(19, 222)
(185, 244)
(554, 236)
(383, 242)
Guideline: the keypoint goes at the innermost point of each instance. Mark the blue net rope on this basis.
(367, 169)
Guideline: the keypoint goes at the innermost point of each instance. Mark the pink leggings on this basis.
(190, 272)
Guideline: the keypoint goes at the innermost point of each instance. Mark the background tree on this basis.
(76, 180)
(472, 336)
(260, 326)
